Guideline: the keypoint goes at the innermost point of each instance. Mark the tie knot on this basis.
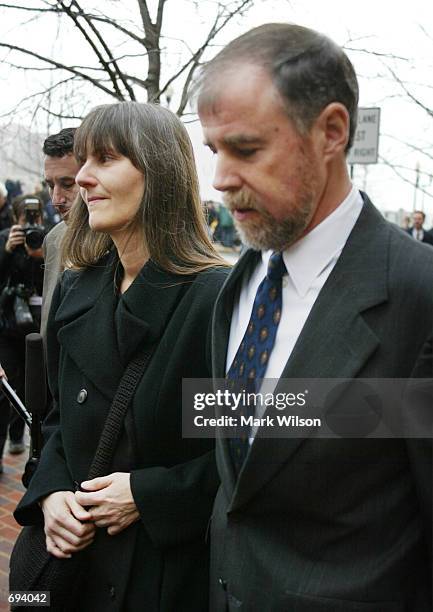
(276, 266)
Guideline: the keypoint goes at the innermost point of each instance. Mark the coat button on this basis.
(112, 592)
(82, 396)
(222, 583)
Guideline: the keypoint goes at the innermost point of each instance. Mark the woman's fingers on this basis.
(80, 513)
(58, 531)
(62, 548)
(54, 550)
(67, 533)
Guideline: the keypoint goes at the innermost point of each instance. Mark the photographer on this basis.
(21, 279)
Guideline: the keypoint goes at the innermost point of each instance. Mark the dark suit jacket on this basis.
(160, 562)
(338, 525)
(427, 237)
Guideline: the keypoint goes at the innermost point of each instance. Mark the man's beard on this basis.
(265, 232)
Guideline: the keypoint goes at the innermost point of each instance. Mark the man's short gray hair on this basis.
(3, 190)
(307, 68)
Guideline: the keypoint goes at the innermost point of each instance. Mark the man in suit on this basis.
(60, 169)
(417, 230)
(310, 524)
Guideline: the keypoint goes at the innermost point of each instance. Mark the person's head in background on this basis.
(418, 218)
(3, 195)
(22, 204)
(60, 170)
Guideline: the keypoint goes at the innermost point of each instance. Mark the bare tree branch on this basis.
(119, 83)
(395, 169)
(60, 115)
(118, 26)
(38, 94)
(410, 95)
(61, 66)
(111, 60)
(151, 42)
(195, 60)
(74, 16)
(423, 151)
(30, 8)
(376, 53)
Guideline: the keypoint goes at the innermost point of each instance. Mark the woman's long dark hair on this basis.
(170, 215)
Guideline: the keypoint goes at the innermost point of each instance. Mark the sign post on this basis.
(365, 147)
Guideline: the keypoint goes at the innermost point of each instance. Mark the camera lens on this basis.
(34, 237)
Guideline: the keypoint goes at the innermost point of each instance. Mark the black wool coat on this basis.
(159, 563)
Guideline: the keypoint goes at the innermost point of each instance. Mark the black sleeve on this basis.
(5, 257)
(175, 504)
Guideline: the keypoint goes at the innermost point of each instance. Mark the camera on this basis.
(34, 232)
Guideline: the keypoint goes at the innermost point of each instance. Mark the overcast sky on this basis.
(380, 27)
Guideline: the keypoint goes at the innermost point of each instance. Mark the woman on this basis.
(145, 275)
(21, 277)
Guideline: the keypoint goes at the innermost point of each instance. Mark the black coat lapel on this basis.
(335, 341)
(147, 306)
(87, 313)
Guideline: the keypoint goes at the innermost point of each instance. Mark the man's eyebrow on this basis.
(242, 139)
(238, 139)
(60, 178)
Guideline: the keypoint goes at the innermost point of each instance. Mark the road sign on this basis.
(366, 142)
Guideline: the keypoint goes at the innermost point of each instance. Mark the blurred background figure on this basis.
(14, 190)
(227, 228)
(5, 215)
(417, 230)
(21, 279)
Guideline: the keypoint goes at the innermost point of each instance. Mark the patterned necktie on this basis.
(251, 359)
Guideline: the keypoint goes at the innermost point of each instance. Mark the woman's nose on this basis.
(85, 176)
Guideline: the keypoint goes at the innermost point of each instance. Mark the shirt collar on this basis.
(309, 257)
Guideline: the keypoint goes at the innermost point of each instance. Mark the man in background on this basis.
(5, 213)
(60, 169)
(417, 230)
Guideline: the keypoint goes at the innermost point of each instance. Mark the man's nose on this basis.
(58, 197)
(227, 177)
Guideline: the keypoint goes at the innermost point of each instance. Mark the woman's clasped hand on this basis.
(71, 518)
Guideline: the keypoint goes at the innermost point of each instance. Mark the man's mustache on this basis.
(241, 201)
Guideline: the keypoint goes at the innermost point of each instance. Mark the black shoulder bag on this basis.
(32, 567)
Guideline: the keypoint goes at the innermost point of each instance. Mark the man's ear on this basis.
(334, 125)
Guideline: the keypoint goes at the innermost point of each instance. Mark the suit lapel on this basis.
(335, 342)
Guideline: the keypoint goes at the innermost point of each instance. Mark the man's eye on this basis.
(246, 152)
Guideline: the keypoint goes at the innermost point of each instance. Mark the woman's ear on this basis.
(334, 125)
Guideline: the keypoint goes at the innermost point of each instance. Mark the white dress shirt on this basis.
(309, 262)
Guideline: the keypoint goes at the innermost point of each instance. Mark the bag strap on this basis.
(113, 423)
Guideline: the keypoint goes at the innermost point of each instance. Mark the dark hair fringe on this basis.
(61, 144)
